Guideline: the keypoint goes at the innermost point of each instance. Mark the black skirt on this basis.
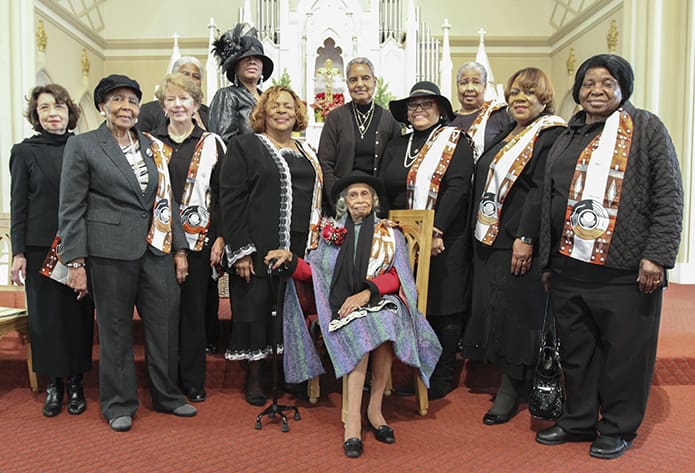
(449, 282)
(507, 312)
(61, 327)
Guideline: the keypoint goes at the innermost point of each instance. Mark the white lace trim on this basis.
(285, 192)
(383, 304)
(235, 255)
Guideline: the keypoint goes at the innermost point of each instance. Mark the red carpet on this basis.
(451, 438)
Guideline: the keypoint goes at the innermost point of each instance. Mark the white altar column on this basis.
(18, 75)
(660, 45)
(446, 67)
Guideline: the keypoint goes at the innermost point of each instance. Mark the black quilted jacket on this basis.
(651, 206)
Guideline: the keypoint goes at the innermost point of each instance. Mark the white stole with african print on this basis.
(477, 128)
(160, 234)
(594, 194)
(195, 203)
(505, 168)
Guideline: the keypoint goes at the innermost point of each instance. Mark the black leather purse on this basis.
(547, 390)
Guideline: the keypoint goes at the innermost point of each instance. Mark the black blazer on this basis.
(35, 165)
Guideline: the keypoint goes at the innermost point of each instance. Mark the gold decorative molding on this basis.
(612, 37)
(41, 37)
(571, 63)
(84, 61)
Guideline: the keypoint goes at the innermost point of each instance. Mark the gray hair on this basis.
(341, 204)
(182, 61)
(472, 65)
(359, 60)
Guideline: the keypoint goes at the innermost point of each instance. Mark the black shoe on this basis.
(210, 348)
(609, 446)
(77, 404)
(556, 435)
(256, 398)
(54, 398)
(353, 447)
(195, 394)
(494, 419)
(383, 433)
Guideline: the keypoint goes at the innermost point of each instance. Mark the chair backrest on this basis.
(6, 255)
(417, 226)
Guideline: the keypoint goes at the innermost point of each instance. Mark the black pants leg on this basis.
(212, 308)
(608, 338)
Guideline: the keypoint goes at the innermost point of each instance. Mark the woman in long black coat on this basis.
(60, 326)
(431, 168)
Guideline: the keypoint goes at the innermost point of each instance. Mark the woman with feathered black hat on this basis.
(241, 57)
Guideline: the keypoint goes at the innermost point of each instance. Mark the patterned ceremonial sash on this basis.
(428, 169)
(315, 212)
(160, 235)
(381, 257)
(594, 195)
(479, 125)
(52, 267)
(505, 168)
(194, 209)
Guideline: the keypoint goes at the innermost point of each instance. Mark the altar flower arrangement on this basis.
(322, 105)
(332, 233)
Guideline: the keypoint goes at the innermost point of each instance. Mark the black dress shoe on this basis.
(494, 419)
(210, 349)
(353, 447)
(195, 394)
(256, 399)
(383, 433)
(609, 446)
(54, 399)
(556, 435)
(77, 404)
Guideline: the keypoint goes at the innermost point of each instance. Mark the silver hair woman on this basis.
(341, 205)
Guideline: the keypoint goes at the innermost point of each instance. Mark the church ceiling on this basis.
(87, 12)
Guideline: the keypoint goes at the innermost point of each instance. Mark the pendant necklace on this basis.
(409, 157)
(180, 138)
(363, 120)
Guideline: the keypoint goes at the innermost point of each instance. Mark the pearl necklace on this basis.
(410, 158)
(363, 120)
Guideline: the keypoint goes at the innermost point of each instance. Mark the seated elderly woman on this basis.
(358, 271)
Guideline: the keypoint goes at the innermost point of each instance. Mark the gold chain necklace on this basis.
(180, 138)
(363, 120)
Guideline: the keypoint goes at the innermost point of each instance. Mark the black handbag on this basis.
(547, 390)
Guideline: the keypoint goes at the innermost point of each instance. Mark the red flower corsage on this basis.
(333, 234)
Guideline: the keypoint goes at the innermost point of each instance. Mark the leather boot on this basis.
(254, 384)
(54, 398)
(76, 401)
(448, 330)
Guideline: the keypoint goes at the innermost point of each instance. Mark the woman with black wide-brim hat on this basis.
(241, 57)
(431, 168)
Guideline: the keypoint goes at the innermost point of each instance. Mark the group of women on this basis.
(520, 197)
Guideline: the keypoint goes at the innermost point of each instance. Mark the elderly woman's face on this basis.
(53, 116)
(361, 83)
(192, 72)
(359, 199)
(471, 90)
(423, 112)
(524, 105)
(600, 94)
(122, 108)
(179, 106)
(280, 113)
(249, 69)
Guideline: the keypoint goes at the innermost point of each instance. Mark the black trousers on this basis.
(149, 284)
(608, 338)
(192, 320)
(212, 308)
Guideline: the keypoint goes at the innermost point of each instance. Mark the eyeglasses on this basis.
(426, 105)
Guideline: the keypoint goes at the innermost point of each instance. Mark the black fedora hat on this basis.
(357, 177)
(236, 44)
(399, 108)
(113, 82)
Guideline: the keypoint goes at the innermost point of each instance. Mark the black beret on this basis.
(113, 82)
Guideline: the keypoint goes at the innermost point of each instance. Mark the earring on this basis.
(102, 113)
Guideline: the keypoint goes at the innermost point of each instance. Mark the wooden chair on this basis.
(13, 319)
(416, 226)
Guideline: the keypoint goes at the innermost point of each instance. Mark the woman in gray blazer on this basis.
(119, 228)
